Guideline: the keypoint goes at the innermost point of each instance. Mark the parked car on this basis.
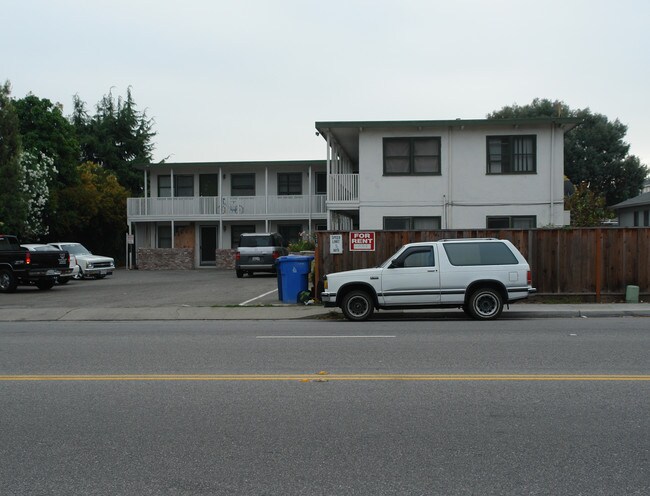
(71, 272)
(89, 265)
(18, 265)
(477, 275)
(258, 252)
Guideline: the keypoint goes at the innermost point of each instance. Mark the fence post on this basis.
(599, 262)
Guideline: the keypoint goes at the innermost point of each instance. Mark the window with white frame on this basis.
(242, 184)
(183, 185)
(289, 183)
(512, 222)
(512, 154)
(405, 223)
(411, 156)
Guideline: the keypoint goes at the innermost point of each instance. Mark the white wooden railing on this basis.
(343, 188)
(226, 206)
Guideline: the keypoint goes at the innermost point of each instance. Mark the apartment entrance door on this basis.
(208, 244)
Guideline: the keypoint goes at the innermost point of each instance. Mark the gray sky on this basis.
(246, 80)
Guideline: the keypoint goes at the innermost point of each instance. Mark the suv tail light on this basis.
(529, 278)
(28, 258)
(237, 256)
(276, 254)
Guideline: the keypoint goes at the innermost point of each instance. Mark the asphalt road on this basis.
(239, 407)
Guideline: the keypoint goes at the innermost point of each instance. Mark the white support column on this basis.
(309, 197)
(172, 233)
(146, 189)
(218, 208)
(266, 199)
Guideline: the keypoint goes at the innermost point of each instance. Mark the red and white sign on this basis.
(362, 241)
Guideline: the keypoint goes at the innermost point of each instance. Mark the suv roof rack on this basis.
(468, 239)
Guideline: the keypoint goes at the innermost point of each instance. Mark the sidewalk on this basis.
(284, 312)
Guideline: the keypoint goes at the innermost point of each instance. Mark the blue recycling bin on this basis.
(293, 276)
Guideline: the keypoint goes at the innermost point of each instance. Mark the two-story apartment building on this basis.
(390, 175)
(204, 207)
(458, 174)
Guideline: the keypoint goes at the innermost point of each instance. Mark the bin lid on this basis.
(295, 258)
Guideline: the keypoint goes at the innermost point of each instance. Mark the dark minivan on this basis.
(258, 252)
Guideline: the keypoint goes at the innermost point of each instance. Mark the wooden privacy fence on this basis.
(598, 262)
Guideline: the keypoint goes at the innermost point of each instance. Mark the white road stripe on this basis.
(257, 297)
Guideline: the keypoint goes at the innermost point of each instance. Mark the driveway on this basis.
(137, 288)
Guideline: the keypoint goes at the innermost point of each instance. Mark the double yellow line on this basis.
(325, 377)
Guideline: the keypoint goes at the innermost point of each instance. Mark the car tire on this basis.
(240, 273)
(8, 283)
(485, 304)
(358, 305)
(45, 284)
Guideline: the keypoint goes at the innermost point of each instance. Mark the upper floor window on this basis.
(242, 184)
(512, 154)
(289, 183)
(411, 156)
(208, 184)
(321, 183)
(183, 185)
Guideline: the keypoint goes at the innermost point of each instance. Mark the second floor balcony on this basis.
(226, 207)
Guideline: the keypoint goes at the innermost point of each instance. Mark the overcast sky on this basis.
(246, 80)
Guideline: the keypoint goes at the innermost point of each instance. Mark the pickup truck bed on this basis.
(19, 266)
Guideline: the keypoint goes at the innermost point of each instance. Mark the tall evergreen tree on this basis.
(13, 206)
(595, 152)
(117, 137)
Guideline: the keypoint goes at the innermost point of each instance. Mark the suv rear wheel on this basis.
(485, 304)
(357, 305)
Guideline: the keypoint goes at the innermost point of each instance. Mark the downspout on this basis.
(552, 173)
(171, 178)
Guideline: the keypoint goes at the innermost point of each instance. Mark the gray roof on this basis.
(642, 199)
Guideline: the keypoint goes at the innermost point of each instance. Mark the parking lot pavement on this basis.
(214, 294)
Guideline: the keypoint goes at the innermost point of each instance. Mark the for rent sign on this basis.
(362, 241)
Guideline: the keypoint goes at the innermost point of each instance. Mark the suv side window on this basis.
(421, 256)
(463, 254)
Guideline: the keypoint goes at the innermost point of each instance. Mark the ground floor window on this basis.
(411, 223)
(290, 232)
(512, 222)
(237, 230)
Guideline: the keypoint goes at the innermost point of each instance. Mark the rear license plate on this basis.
(53, 272)
(256, 259)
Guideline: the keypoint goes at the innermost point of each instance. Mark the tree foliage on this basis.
(94, 210)
(13, 207)
(38, 175)
(588, 209)
(117, 137)
(594, 152)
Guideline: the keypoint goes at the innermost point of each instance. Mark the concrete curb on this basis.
(291, 312)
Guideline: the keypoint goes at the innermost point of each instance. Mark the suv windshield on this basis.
(76, 249)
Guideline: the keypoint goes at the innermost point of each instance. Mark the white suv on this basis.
(477, 275)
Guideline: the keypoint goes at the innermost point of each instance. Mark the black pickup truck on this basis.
(20, 266)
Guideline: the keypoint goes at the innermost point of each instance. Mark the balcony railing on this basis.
(343, 188)
(226, 206)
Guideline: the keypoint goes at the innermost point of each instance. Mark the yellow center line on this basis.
(327, 377)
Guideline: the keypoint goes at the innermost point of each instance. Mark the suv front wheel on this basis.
(357, 305)
(485, 304)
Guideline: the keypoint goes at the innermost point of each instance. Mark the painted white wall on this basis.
(463, 182)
